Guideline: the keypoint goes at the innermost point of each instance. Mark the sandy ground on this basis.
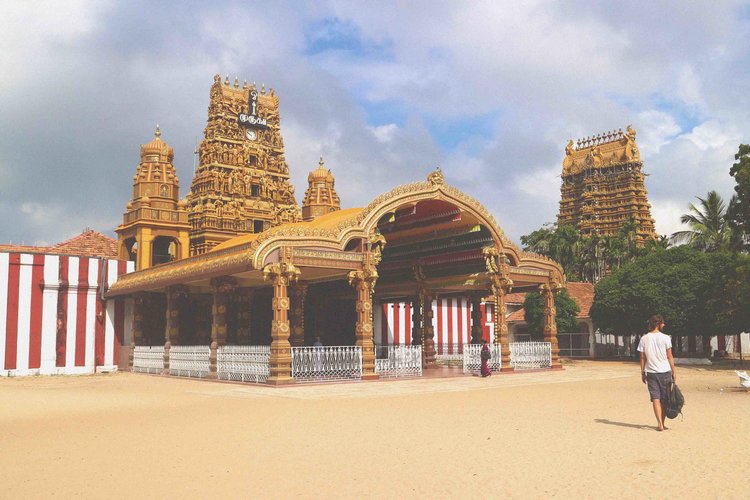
(585, 432)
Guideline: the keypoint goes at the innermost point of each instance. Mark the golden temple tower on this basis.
(155, 226)
(242, 183)
(320, 197)
(603, 186)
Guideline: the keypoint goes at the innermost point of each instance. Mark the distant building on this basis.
(603, 186)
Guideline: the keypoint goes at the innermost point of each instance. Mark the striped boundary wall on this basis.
(53, 319)
(451, 322)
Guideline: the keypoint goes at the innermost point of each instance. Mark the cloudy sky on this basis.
(489, 91)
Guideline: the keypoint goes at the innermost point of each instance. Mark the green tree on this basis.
(565, 319)
(740, 209)
(709, 229)
(690, 288)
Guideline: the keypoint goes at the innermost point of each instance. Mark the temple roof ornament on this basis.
(436, 178)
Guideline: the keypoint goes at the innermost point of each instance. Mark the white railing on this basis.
(148, 359)
(472, 358)
(449, 354)
(189, 360)
(399, 361)
(530, 355)
(245, 363)
(313, 364)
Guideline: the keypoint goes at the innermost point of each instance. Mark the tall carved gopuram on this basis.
(242, 183)
(603, 186)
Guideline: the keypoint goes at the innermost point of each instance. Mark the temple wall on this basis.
(451, 321)
(53, 319)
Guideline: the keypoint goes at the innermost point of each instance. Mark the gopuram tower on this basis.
(242, 183)
(603, 186)
(321, 197)
(154, 228)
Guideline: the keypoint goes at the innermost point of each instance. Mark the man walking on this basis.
(657, 367)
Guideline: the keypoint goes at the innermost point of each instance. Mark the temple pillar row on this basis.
(244, 299)
(280, 361)
(222, 287)
(416, 320)
(428, 346)
(476, 319)
(297, 314)
(172, 329)
(363, 283)
(137, 326)
(550, 321)
(500, 321)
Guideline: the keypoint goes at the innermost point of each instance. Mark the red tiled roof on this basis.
(90, 243)
(582, 293)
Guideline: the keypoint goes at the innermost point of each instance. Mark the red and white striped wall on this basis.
(451, 322)
(53, 319)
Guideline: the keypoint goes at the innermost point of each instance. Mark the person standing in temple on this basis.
(657, 367)
(485, 355)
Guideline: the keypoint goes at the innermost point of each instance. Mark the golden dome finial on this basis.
(320, 162)
(157, 132)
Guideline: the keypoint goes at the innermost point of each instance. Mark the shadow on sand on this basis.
(623, 424)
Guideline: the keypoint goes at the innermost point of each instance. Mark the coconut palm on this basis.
(709, 228)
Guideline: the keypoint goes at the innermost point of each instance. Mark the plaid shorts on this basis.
(658, 383)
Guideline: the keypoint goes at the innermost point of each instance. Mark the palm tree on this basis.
(709, 228)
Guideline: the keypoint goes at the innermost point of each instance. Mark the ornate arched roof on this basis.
(333, 231)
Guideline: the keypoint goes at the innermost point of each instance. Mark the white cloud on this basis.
(384, 133)
(657, 130)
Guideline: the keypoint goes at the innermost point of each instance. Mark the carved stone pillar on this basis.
(499, 317)
(363, 283)
(550, 324)
(222, 287)
(428, 332)
(416, 320)
(280, 362)
(137, 326)
(476, 319)
(244, 300)
(297, 316)
(172, 330)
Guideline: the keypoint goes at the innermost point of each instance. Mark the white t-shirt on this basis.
(655, 345)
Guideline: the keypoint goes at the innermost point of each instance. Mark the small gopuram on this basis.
(242, 183)
(155, 227)
(603, 186)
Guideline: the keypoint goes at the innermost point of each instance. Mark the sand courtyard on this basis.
(585, 432)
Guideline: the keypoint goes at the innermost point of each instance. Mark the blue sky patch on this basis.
(334, 34)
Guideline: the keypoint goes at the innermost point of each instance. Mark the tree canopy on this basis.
(740, 210)
(698, 293)
(588, 258)
(566, 318)
(710, 227)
